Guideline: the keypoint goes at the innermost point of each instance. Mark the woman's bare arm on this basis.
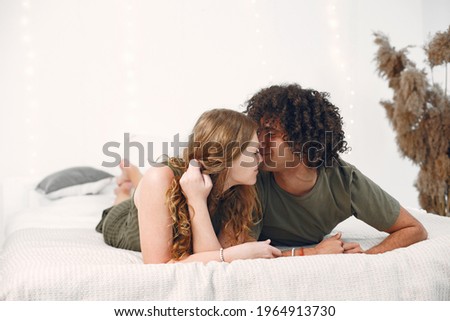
(155, 224)
(249, 250)
(196, 187)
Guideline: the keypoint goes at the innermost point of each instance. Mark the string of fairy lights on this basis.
(129, 60)
(336, 53)
(343, 69)
(263, 61)
(32, 104)
(30, 55)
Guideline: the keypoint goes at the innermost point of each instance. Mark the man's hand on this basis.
(331, 245)
(352, 247)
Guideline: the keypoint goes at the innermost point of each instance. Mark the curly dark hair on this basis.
(308, 119)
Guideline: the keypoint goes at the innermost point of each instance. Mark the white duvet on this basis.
(52, 252)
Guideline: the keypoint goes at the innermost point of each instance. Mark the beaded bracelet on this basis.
(221, 255)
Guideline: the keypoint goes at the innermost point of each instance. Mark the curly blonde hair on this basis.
(218, 138)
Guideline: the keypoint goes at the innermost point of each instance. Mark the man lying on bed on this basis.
(305, 188)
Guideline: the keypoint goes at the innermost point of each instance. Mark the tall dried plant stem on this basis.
(432, 77)
(446, 79)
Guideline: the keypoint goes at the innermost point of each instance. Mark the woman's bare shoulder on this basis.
(160, 173)
(155, 179)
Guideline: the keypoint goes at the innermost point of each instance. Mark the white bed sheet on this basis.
(52, 252)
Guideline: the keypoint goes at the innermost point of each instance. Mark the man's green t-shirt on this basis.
(340, 191)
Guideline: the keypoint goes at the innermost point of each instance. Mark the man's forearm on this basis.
(400, 238)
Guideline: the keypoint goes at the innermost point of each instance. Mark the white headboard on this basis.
(16, 193)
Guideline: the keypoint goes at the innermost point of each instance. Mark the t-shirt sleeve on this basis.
(371, 204)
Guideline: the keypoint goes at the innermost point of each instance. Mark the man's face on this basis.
(275, 151)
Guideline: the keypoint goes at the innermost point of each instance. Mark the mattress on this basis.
(52, 252)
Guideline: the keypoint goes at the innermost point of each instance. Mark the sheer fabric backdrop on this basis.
(78, 74)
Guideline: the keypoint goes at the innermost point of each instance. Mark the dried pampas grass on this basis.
(420, 115)
(438, 49)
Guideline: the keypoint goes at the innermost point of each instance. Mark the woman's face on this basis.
(244, 168)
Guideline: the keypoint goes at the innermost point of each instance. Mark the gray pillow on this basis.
(74, 181)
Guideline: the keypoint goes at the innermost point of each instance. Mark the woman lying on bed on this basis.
(201, 207)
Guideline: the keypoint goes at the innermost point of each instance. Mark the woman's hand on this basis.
(251, 250)
(195, 185)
